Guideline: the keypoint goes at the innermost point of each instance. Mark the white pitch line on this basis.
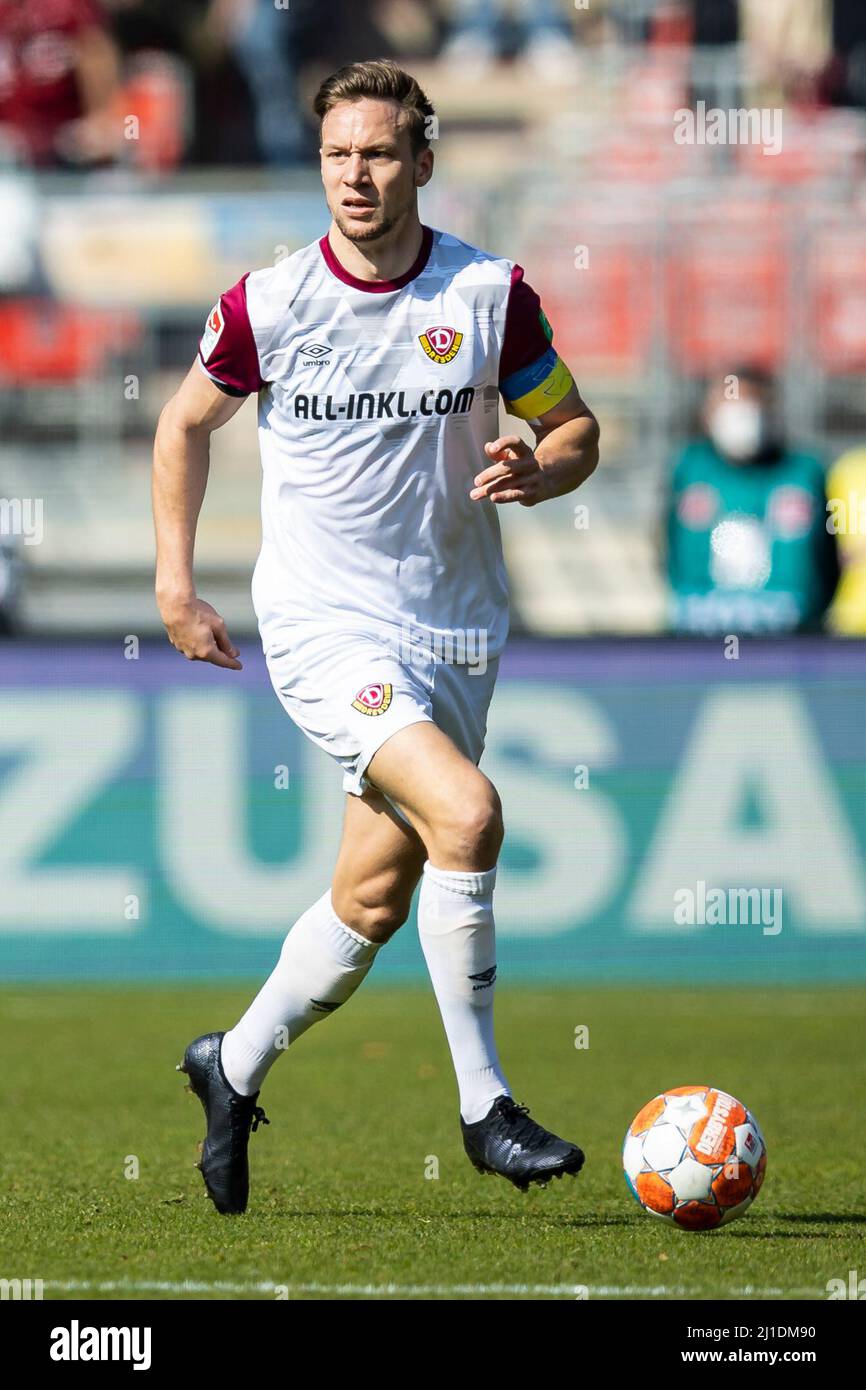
(186, 1286)
(268, 1287)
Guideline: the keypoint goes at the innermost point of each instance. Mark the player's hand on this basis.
(514, 476)
(200, 633)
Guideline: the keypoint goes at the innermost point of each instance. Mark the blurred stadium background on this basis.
(173, 152)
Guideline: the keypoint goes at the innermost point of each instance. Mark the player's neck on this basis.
(387, 258)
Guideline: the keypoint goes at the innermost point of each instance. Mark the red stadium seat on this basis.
(155, 95)
(45, 343)
(726, 291)
(831, 145)
(836, 287)
(647, 152)
(603, 314)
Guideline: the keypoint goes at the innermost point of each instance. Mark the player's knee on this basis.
(474, 832)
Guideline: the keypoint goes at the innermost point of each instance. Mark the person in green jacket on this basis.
(749, 549)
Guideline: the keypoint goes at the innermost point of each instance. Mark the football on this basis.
(694, 1156)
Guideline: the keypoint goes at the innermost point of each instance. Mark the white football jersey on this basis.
(375, 402)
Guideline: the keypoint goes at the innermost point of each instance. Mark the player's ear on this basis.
(423, 168)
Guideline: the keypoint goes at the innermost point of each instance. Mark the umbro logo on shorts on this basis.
(440, 343)
(486, 976)
(373, 699)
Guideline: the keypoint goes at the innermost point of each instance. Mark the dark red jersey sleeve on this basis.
(532, 378)
(227, 351)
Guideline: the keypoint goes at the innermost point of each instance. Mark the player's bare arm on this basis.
(181, 461)
(565, 455)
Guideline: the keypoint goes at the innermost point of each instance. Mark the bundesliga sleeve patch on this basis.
(212, 333)
(441, 344)
(373, 699)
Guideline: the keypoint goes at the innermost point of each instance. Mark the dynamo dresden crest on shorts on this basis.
(373, 699)
(441, 344)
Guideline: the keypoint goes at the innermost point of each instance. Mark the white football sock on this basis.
(321, 965)
(455, 924)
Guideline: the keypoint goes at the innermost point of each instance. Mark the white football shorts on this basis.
(349, 691)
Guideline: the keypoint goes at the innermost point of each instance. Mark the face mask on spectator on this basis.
(738, 429)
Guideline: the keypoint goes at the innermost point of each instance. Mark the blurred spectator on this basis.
(847, 85)
(763, 52)
(748, 547)
(789, 45)
(846, 489)
(545, 37)
(716, 22)
(11, 574)
(652, 21)
(174, 45)
(241, 59)
(59, 77)
(260, 37)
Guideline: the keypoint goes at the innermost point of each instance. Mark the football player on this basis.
(378, 355)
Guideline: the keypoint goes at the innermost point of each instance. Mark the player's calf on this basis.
(375, 905)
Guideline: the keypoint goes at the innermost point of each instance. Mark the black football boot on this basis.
(230, 1117)
(507, 1141)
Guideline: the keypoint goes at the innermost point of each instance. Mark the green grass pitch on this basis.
(363, 1109)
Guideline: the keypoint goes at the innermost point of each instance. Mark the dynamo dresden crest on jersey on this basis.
(373, 699)
(441, 344)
